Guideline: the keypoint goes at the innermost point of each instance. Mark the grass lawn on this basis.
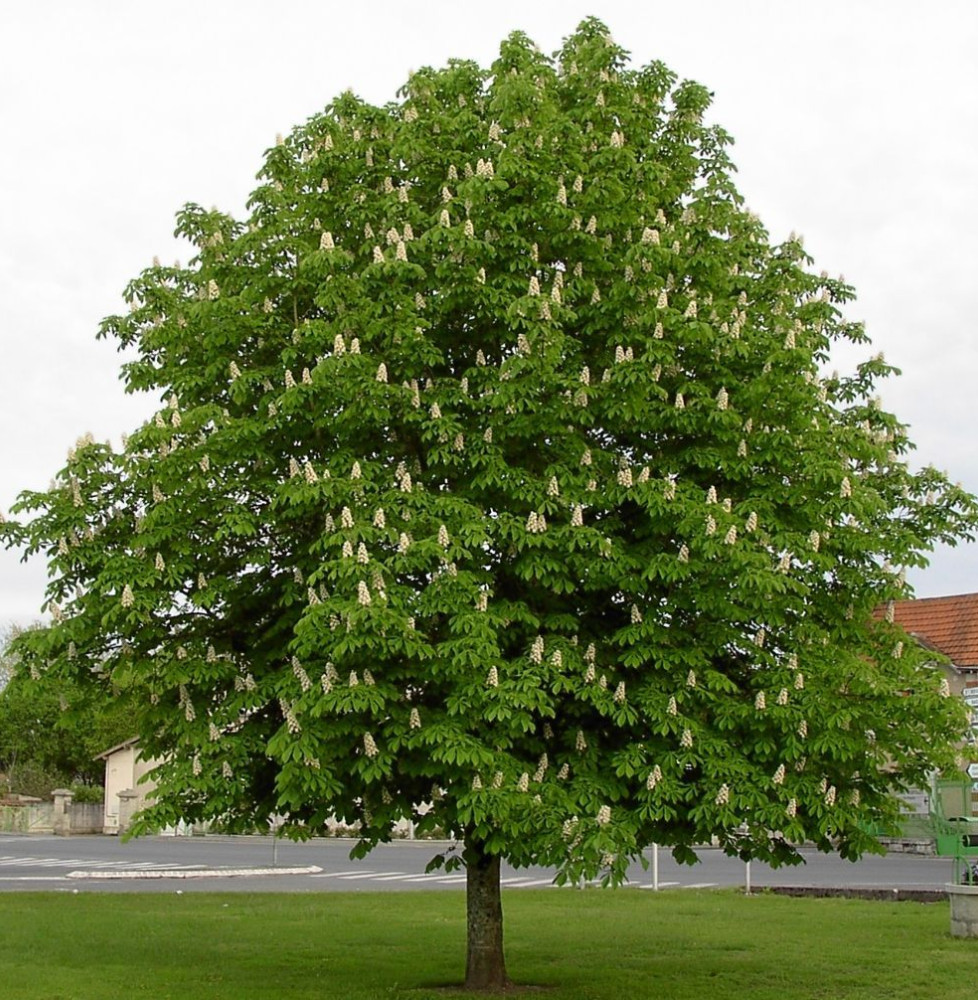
(590, 945)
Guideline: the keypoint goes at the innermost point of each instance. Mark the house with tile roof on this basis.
(948, 625)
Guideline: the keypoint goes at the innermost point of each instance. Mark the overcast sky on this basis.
(855, 124)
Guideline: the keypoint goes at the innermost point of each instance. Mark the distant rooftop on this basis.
(949, 624)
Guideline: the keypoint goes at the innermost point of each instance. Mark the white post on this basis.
(655, 867)
(747, 878)
(274, 822)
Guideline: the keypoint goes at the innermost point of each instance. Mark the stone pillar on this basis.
(128, 801)
(61, 819)
(964, 910)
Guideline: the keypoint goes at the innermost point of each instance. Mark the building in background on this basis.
(949, 625)
(125, 791)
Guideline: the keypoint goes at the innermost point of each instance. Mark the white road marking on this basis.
(14, 862)
(361, 871)
(370, 875)
(513, 882)
(32, 878)
(31, 862)
(142, 866)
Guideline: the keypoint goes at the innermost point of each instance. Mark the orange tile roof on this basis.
(950, 624)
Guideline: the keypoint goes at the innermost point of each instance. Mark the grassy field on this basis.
(591, 945)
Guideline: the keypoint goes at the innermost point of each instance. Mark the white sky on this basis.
(855, 124)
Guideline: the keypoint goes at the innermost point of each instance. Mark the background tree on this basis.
(497, 467)
(7, 659)
(50, 733)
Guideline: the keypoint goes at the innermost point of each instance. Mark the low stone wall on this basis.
(909, 845)
(86, 817)
(34, 818)
(47, 817)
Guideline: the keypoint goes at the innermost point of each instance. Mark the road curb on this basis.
(882, 894)
(197, 873)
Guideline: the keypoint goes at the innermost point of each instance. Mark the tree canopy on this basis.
(498, 467)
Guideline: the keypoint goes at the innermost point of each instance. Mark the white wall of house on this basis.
(124, 769)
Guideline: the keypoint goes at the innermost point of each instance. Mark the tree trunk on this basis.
(485, 968)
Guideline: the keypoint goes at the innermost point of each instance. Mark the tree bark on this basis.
(485, 968)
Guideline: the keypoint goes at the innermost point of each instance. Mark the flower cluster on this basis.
(288, 713)
(300, 674)
(542, 764)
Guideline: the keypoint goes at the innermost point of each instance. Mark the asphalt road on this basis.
(261, 864)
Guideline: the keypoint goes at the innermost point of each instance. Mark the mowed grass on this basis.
(590, 945)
